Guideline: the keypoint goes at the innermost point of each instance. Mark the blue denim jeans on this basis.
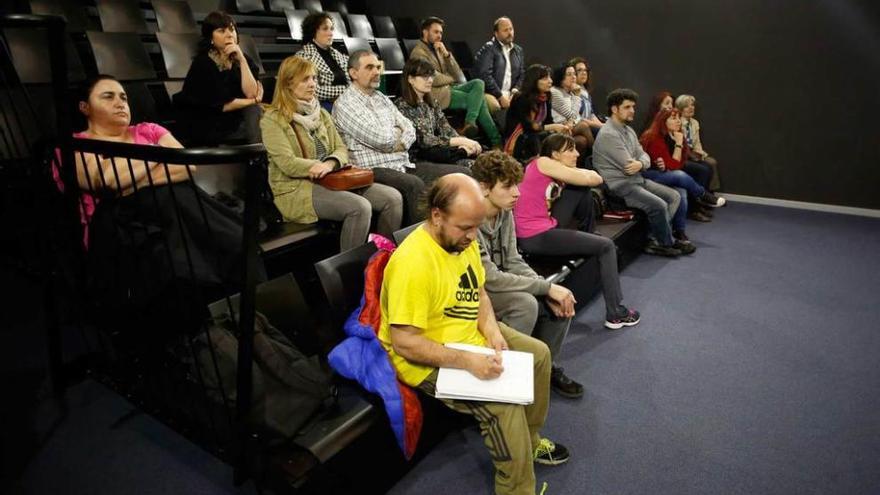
(659, 202)
(701, 172)
(684, 183)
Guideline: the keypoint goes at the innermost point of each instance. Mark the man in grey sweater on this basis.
(518, 293)
(619, 159)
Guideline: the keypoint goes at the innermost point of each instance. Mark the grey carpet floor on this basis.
(755, 370)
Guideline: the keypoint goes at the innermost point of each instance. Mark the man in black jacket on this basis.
(499, 63)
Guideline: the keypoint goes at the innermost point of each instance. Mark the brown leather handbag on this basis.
(347, 178)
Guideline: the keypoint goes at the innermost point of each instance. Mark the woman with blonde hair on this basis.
(687, 104)
(304, 146)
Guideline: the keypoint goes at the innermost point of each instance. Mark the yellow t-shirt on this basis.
(439, 292)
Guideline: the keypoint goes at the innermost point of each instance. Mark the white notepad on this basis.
(516, 385)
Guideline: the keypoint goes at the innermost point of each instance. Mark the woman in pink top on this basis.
(547, 210)
(151, 225)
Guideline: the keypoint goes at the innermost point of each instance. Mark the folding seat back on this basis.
(72, 11)
(249, 6)
(121, 55)
(407, 28)
(383, 26)
(360, 26)
(281, 5)
(342, 277)
(249, 47)
(409, 44)
(294, 22)
(175, 16)
(30, 56)
(340, 6)
(178, 51)
(310, 5)
(403, 233)
(121, 16)
(354, 44)
(463, 54)
(390, 53)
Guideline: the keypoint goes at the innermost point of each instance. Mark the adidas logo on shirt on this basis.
(470, 288)
(468, 292)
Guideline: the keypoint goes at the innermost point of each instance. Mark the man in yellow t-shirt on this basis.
(432, 293)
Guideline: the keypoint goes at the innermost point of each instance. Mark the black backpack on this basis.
(288, 387)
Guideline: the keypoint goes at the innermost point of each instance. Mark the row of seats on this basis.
(178, 16)
(340, 275)
(120, 37)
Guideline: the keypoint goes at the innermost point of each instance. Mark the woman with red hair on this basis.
(664, 142)
(661, 101)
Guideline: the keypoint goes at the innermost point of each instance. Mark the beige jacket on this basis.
(694, 125)
(447, 73)
(289, 164)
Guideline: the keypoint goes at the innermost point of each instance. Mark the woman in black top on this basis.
(530, 118)
(330, 63)
(220, 99)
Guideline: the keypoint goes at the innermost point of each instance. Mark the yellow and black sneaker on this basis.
(550, 454)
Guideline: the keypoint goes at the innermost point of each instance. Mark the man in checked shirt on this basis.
(378, 136)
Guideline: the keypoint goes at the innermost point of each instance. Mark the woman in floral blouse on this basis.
(436, 140)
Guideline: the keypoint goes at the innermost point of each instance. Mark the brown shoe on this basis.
(699, 216)
(469, 131)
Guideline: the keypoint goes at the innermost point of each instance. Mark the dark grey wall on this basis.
(787, 91)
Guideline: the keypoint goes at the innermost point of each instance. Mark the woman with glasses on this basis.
(436, 140)
(553, 218)
(583, 85)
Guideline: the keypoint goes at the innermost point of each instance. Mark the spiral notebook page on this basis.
(515, 385)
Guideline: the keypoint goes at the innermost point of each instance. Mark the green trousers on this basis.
(470, 97)
(510, 431)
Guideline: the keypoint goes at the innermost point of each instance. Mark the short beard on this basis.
(446, 244)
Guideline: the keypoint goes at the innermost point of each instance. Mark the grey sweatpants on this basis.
(354, 209)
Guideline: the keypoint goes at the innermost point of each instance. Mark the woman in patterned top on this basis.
(568, 108)
(330, 63)
(436, 140)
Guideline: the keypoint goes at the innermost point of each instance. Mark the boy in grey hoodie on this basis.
(517, 292)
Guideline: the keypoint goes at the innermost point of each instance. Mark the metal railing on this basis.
(152, 221)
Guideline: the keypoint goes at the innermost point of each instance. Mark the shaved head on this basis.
(455, 211)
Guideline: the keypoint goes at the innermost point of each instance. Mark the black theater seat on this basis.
(354, 44)
(178, 51)
(175, 16)
(122, 55)
(122, 16)
(390, 53)
(281, 5)
(383, 27)
(360, 26)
